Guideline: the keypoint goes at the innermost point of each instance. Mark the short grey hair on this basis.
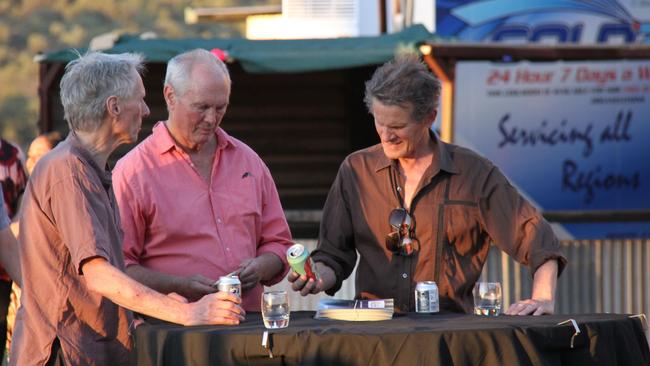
(90, 80)
(180, 67)
(402, 81)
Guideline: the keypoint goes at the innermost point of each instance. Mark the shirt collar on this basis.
(78, 148)
(441, 158)
(164, 141)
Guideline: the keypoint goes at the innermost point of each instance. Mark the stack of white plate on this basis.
(359, 315)
(355, 310)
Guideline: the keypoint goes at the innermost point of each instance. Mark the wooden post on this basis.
(382, 17)
(49, 74)
(446, 76)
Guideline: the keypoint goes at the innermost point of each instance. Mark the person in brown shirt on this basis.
(75, 294)
(418, 209)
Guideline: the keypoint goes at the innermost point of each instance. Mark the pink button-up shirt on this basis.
(176, 223)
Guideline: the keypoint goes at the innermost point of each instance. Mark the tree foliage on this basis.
(30, 27)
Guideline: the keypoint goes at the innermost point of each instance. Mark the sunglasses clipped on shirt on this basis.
(400, 240)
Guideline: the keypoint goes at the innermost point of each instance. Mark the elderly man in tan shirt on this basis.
(76, 296)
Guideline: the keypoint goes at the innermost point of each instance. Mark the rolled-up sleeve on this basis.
(275, 236)
(336, 241)
(80, 216)
(515, 226)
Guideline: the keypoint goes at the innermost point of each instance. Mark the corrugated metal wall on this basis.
(602, 276)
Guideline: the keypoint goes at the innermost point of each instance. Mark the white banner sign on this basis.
(571, 135)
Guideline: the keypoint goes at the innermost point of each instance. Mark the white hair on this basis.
(90, 80)
(180, 67)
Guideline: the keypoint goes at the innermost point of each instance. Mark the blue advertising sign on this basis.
(571, 135)
(545, 21)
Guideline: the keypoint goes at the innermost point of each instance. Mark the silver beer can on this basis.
(426, 297)
(230, 284)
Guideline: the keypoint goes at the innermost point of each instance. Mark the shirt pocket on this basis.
(243, 214)
(462, 231)
(463, 244)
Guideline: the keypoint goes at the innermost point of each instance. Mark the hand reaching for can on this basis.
(249, 273)
(195, 287)
(261, 268)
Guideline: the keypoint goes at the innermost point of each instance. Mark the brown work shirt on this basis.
(463, 202)
(69, 216)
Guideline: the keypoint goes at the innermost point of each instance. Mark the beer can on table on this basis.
(426, 297)
(230, 284)
(300, 261)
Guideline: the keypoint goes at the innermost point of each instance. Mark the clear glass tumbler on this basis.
(487, 298)
(275, 309)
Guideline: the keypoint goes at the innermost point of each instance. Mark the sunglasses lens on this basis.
(406, 247)
(401, 245)
(400, 241)
(392, 241)
(398, 217)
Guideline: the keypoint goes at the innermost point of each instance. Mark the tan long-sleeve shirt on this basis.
(69, 216)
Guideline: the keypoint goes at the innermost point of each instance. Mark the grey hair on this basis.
(402, 81)
(90, 80)
(180, 67)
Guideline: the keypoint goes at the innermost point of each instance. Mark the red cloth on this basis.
(12, 176)
(14, 180)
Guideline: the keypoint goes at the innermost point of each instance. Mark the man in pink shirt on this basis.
(196, 203)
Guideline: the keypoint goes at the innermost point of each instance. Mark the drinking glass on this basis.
(275, 309)
(487, 298)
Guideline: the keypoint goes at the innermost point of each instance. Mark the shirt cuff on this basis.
(87, 255)
(130, 262)
(544, 256)
(338, 271)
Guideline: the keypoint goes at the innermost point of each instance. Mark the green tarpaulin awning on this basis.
(271, 56)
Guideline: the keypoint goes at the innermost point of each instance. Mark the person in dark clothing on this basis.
(414, 208)
(14, 180)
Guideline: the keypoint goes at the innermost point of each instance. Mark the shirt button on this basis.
(228, 249)
(405, 276)
(219, 221)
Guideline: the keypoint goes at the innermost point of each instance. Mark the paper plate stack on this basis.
(355, 310)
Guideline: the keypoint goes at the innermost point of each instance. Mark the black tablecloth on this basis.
(411, 339)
